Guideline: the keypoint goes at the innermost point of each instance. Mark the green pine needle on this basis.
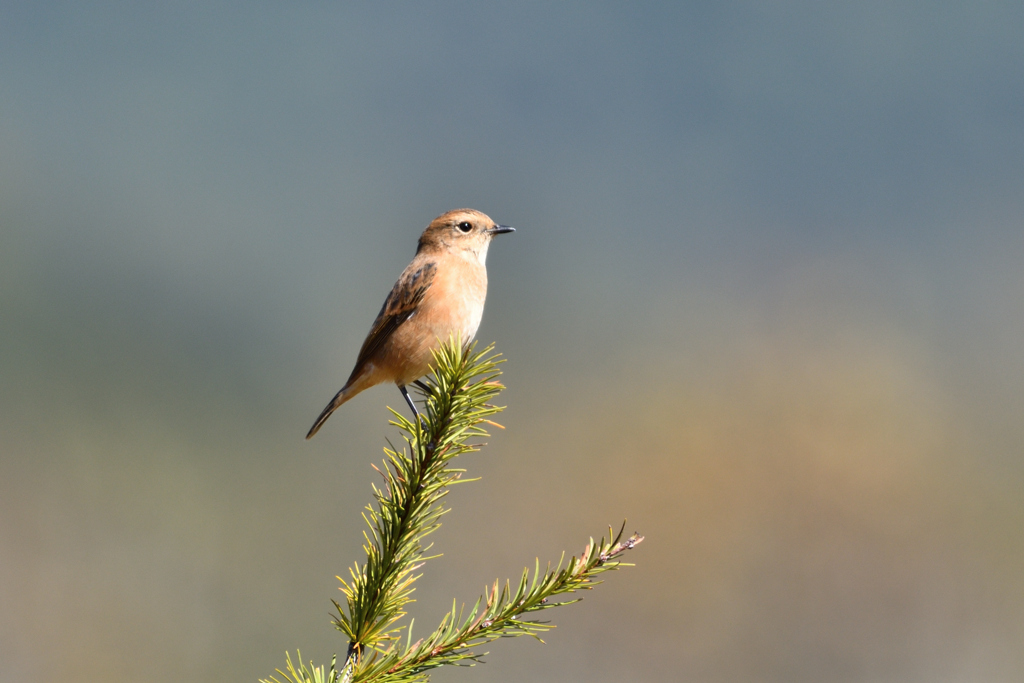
(408, 508)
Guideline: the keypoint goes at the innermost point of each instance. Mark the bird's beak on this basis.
(498, 229)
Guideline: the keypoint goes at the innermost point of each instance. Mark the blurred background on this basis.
(766, 301)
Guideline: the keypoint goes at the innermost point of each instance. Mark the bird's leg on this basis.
(419, 418)
(408, 399)
(422, 385)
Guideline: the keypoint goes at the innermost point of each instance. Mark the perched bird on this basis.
(440, 294)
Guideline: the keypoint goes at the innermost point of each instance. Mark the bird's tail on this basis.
(345, 394)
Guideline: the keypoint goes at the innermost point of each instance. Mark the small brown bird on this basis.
(440, 294)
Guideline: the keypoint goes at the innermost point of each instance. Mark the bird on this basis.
(439, 295)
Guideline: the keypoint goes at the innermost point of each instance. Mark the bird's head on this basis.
(461, 230)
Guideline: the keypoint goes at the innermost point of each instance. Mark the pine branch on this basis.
(454, 640)
(408, 508)
(456, 401)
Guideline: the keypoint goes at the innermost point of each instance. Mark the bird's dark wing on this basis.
(400, 305)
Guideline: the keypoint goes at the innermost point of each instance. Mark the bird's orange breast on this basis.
(452, 307)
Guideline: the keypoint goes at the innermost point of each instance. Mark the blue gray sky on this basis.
(765, 300)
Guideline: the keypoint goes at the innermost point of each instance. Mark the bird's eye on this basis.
(465, 226)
